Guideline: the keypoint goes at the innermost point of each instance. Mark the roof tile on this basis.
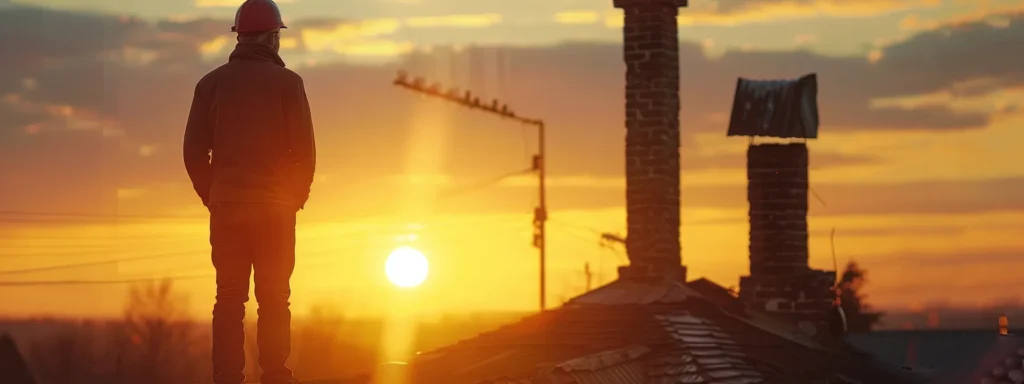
(628, 332)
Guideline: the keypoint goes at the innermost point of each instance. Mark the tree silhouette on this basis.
(158, 339)
(859, 317)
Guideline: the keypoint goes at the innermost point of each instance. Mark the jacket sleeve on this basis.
(302, 143)
(198, 145)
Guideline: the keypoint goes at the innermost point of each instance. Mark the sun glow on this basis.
(406, 267)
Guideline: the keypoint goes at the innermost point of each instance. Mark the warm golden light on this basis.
(406, 267)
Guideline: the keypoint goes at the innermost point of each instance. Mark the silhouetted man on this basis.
(250, 152)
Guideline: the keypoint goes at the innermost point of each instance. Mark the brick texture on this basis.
(777, 192)
(651, 54)
(781, 281)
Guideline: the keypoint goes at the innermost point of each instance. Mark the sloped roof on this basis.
(641, 332)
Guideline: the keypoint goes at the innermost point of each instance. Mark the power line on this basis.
(53, 246)
(152, 279)
(577, 226)
(495, 108)
(93, 263)
(95, 249)
(300, 257)
(34, 238)
(51, 254)
(84, 215)
(77, 217)
(101, 282)
(569, 230)
(482, 184)
(113, 243)
(113, 251)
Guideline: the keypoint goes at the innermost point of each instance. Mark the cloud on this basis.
(996, 16)
(885, 231)
(841, 199)
(336, 36)
(88, 63)
(690, 162)
(740, 12)
(985, 257)
(577, 17)
(956, 276)
(937, 59)
(471, 21)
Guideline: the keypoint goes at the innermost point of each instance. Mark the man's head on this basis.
(270, 39)
(259, 21)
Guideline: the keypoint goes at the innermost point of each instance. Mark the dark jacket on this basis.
(249, 136)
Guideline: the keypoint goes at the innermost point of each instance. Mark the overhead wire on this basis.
(570, 230)
(449, 194)
(97, 249)
(101, 282)
(95, 263)
(64, 217)
(103, 262)
(577, 226)
(162, 276)
(28, 217)
(482, 184)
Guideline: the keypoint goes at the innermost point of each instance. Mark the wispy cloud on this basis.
(366, 38)
(470, 21)
(997, 16)
(54, 116)
(375, 48)
(340, 35)
(578, 17)
(765, 11)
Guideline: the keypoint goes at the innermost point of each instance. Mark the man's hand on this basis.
(302, 144)
(198, 145)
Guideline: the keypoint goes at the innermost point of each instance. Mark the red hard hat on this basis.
(255, 16)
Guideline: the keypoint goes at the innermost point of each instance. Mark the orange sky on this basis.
(916, 166)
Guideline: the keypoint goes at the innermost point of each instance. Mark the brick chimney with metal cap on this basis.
(781, 280)
(651, 53)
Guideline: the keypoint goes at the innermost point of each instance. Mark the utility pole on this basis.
(468, 100)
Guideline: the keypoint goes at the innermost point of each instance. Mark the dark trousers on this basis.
(261, 239)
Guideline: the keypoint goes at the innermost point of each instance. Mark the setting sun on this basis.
(406, 267)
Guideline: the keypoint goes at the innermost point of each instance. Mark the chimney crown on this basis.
(645, 3)
(651, 54)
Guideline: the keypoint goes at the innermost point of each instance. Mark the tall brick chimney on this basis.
(651, 53)
(781, 280)
(777, 193)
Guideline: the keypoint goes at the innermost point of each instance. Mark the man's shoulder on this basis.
(275, 74)
(290, 75)
(211, 76)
